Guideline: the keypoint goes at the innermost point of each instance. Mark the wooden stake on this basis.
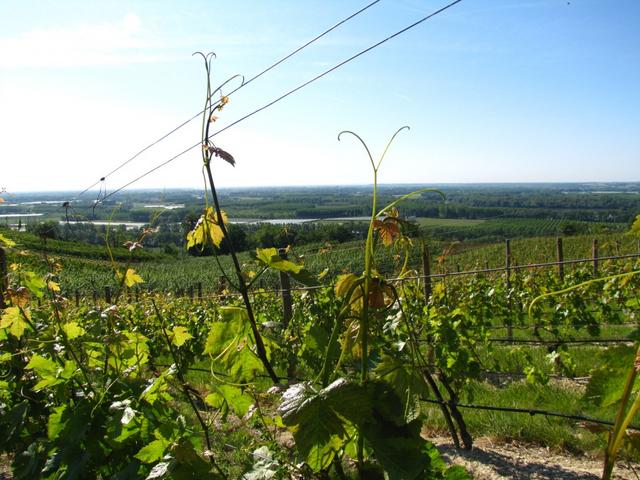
(285, 285)
(560, 256)
(426, 271)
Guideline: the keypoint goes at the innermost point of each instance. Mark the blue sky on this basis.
(494, 91)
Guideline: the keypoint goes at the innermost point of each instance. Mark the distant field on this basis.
(447, 222)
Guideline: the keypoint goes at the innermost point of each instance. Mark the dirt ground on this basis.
(488, 461)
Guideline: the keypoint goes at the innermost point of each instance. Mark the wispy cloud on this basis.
(122, 42)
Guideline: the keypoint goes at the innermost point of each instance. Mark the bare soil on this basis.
(515, 461)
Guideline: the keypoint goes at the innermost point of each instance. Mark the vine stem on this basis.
(242, 286)
(208, 111)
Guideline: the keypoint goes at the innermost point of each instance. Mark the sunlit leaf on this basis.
(207, 230)
(73, 330)
(635, 227)
(13, 319)
(7, 241)
(179, 335)
(131, 278)
(388, 229)
(270, 258)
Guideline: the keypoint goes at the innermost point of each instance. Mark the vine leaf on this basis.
(231, 345)
(7, 241)
(270, 258)
(229, 397)
(73, 330)
(14, 321)
(321, 421)
(406, 382)
(131, 278)
(635, 227)
(207, 230)
(180, 335)
(389, 227)
(606, 384)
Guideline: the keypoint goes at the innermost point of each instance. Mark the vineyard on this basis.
(160, 380)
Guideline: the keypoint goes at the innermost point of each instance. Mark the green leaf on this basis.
(153, 451)
(406, 382)
(34, 284)
(321, 421)
(270, 258)
(231, 397)
(179, 335)
(606, 384)
(46, 369)
(635, 227)
(13, 319)
(73, 330)
(234, 325)
(56, 422)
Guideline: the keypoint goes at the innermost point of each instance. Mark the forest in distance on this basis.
(281, 216)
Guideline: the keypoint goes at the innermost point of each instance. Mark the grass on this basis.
(557, 433)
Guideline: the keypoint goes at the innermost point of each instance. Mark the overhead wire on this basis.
(285, 95)
(244, 84)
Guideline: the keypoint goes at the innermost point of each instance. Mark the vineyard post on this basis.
(594, 251)
(77, 297)
(426, 272)
(137, 293)
(95, 297)
(191, 293)
(107, 295)
(285, 285)
(560, 258)
(222, 284)
(507, 268)
(200, 291)
(3, 276)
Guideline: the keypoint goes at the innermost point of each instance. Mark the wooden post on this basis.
(137, 293)
(77, 297)
(3, 277)
(507, 263)
(107, 295)
(222, 283)
(95, 297)
(285, 285)
(594, 253)
(507, 270)
(426, 271)
(200, 291)
(457, 267)
(191, 293)
(560, 258)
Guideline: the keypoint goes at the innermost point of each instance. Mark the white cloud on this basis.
(125, 41)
